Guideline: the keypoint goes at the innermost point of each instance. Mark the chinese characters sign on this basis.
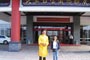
(80, 3)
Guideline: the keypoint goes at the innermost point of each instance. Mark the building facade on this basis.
(59, 17)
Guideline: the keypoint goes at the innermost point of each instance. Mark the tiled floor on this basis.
(31, 53)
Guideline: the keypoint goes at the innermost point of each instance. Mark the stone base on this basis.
(14, 46)
(77, 43)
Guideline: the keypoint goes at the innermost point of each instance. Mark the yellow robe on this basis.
(43, 51)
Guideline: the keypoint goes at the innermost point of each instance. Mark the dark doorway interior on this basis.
(62, 30)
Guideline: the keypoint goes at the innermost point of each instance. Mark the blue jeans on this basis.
(55, 55)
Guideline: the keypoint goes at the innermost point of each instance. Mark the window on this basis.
(85, 34)
(2, 36)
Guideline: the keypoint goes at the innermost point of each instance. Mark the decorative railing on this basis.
(79, 3)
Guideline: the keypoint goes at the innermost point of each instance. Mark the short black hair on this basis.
(43, 30)
(54, 36)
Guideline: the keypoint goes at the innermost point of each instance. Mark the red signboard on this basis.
(56, 20)
(52, 29)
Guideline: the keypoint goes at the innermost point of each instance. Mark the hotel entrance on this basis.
(59, 17)
(61, 30)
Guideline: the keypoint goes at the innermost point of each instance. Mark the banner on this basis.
(78, 3)
(4, 3)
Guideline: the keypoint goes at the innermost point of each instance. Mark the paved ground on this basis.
(30, 53)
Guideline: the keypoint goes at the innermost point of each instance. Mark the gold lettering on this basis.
(27, 1)
(69, 1)
(36, 1)
(53, 1)
(44, 1)
(76, 1)
(84, 1)
(61, 1)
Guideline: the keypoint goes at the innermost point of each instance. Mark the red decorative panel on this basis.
(52, 29)
(58, 20)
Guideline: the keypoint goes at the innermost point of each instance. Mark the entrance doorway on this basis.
(61, 30)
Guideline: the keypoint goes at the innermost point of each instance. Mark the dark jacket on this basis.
(58, 46)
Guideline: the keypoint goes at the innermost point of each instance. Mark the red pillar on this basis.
(15, 44)
(15, 21)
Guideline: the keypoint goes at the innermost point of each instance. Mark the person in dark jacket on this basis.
(55, 46)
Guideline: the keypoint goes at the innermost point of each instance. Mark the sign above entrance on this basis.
(4, 3)
(76, 3)
(53, 20)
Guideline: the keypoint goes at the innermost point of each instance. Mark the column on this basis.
(15, 44)
(29, 31)
(76, 31)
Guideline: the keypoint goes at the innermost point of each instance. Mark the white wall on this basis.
(53, 9)
(85, 21)
(4, 17)
(23, 20)
(8, 18)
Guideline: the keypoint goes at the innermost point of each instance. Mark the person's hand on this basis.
(43, 44)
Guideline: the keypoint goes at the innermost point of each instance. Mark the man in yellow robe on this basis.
(43, 45)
